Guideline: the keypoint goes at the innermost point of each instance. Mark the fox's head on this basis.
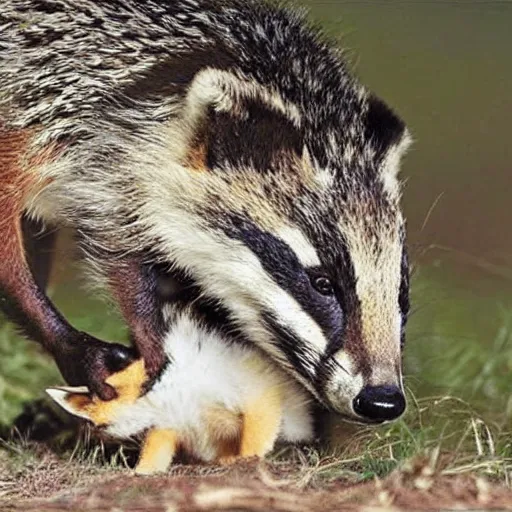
(272, 183)
(123, 416)
(111, 415)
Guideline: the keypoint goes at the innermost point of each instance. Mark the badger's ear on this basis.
(216, 103)
(75, 400)
(225, 91)
(390, 139)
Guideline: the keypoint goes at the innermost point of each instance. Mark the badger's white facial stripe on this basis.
(236, 276)
(345, 361)
(300, 245)
(378, 282)
(378, 277)
(342, 389)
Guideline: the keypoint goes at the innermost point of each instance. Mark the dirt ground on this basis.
(53, 485)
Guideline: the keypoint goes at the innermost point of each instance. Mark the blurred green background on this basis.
(446, 67)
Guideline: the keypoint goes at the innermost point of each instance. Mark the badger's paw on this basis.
(87, 361)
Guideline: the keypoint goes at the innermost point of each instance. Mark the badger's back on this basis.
(99, 81)
(66, 63)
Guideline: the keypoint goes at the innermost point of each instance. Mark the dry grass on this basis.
(294, 485)
(453, 448)
(39, 473)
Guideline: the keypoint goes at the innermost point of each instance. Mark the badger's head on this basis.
(256, 165)
(287, 214)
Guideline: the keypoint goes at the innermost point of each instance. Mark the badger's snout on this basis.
(379, 403)
(369, 398)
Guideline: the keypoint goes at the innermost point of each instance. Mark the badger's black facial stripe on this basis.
(403, 298)
(294, 349)
(345, 281)
(279, 260)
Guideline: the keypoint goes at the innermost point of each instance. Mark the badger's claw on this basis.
(88, 361)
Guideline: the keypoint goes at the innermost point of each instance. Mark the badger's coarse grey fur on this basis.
(226, 139)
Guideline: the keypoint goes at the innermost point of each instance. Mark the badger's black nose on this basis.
(380, 403)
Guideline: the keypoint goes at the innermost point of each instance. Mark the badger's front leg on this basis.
(81, 358)
(135, 288)
(39, 245)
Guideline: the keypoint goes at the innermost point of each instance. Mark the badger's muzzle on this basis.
(367, 391)
(379, 403)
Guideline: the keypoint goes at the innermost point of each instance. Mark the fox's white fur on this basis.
(206, 373)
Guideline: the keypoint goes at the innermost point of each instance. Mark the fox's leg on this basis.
(157, 451)
(39, 245)
(81, 358)
(261, 422)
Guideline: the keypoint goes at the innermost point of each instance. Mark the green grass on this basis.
(458, 364)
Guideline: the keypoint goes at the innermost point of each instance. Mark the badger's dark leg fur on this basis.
(81, 358)
(134, 286)
(39, 245)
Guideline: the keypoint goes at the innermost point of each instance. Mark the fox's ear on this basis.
(128, 383)
(75, 400)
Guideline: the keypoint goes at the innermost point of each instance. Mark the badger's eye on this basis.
(322, 285)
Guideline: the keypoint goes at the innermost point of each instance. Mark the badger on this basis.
(223, 140)
(216, 400)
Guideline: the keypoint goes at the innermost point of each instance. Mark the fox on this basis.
(215, 400)
(223, 140)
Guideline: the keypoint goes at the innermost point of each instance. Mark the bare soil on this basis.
(54, 485)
